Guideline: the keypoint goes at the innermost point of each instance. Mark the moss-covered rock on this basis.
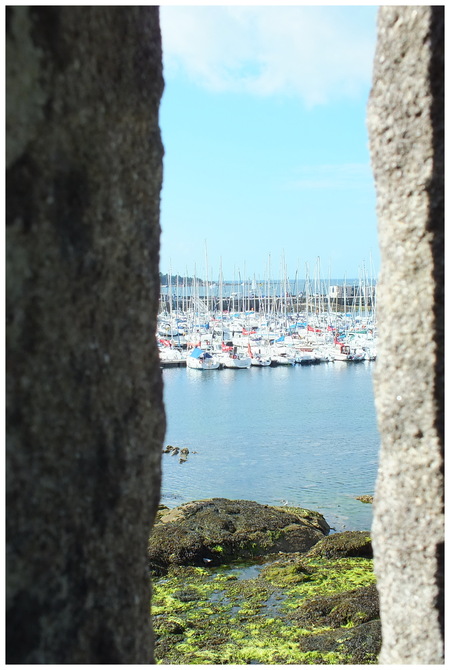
(303, 599)
(361, 643)
(348, 608)
(365, 499)
(296, 609)
(218, 531)
(347, 544)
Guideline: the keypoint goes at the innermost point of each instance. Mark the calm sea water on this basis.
(305, 435)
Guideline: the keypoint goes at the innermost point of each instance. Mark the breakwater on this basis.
(249, 303)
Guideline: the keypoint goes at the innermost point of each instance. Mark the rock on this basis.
(172, 627)
(294, 610)
(360, 645)
(187, 595)
(162, 509)
(353, 617)
(356, 606)
(222, 530)
(365, 499)
(347, 544)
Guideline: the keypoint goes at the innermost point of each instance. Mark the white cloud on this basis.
(315, 53)
(329, 177)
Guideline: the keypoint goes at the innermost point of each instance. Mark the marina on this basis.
(273, 404)
(286, 329)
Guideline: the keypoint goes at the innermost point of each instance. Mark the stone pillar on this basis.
(85, 421)
(406, 120)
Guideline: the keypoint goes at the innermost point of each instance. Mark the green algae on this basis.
(218, 549)
(205, 616)
(307, 578)
(347, 574)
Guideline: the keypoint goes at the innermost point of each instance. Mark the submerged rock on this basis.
(220, 530)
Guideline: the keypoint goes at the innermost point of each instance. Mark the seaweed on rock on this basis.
(299, 607)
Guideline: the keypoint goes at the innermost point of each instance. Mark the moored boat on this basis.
(259, 360)
(282, 356)
(344, 353)
(199, 359)
(304, 357)
(234, 360)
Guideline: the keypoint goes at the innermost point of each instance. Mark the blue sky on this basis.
(263, 120)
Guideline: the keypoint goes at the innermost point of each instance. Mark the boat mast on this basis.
(307, 293)
(345, 297)
(207, 281)
(170, 300)
(221, 289)
(372, 291)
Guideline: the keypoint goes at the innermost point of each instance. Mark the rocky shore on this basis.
(236, 582)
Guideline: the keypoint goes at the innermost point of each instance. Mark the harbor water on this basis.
(297, 435)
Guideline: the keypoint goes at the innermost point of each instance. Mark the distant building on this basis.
(352, 294)
(338, 291)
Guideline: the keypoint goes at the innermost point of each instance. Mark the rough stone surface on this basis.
(405, 119)
(85, 421)
(218, 530)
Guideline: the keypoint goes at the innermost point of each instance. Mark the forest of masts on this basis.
(184, 295)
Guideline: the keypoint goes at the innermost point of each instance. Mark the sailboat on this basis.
(199, 359)
(258, 359)
(230, 358)
(342, 352)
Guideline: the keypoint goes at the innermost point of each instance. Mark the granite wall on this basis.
(406, 125)
(85, 421)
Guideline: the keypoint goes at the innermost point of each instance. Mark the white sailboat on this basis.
(305, 357)
(199, 359)
(230, 358)
(342, 352)
(258, 359)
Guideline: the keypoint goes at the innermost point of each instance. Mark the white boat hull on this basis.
(349, 358)
(283, 360)
(207, 364)
(261, 361)
(236, 363)
(202, 360)
(307, 359)
(340, 357)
